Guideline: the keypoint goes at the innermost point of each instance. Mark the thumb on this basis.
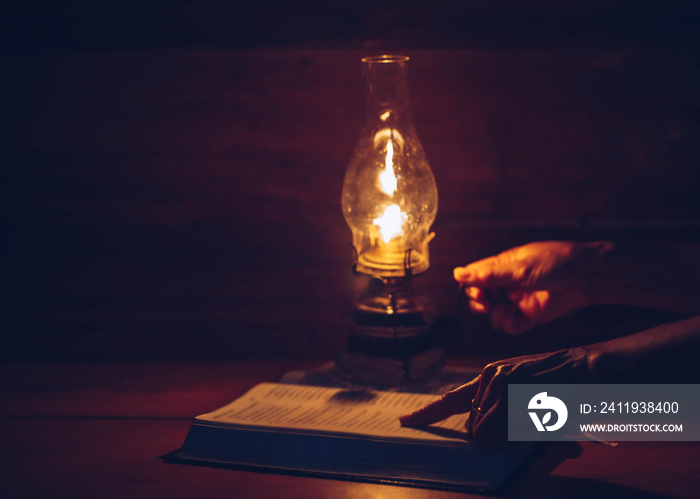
(492, 272)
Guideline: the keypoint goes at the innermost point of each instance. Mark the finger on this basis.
(527, 313)
(491, 429)
(475, 293)
(493, 272)
(454, 402)
(473, 417)
(478, 302)
(486, 379)
(491, 392)
(486, 425)
(478, 307)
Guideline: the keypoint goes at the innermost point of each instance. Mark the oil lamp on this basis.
(389, 200)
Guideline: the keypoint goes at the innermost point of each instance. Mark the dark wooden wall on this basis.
(174, 191)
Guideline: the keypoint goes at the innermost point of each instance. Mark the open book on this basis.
(346, 433)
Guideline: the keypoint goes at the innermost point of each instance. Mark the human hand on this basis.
(485, 397)
(530, 285)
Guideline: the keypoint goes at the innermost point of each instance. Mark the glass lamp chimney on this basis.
(389, 195)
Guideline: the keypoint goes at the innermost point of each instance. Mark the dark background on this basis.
(173, 169)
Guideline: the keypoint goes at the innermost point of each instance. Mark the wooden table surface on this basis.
(97, 429)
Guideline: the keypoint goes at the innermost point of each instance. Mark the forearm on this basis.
(666, 353)
(658, 276)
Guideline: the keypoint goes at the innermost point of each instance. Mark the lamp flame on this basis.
(387, 179)
(390, 222)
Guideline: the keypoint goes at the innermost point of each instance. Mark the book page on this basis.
(336, 410)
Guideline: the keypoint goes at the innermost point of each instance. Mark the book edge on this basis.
(463, 444)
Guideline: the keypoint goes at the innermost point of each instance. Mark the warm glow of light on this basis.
(390, 222)
(387, 179)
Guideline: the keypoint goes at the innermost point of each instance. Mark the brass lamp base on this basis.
(391, 340)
